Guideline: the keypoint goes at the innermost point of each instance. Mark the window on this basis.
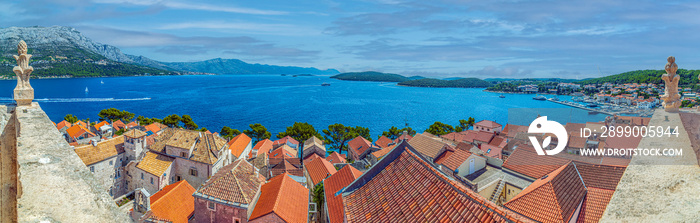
(142, 176)
(183, 154)
(151, 180)
(236, 220)
(193, 172)
(177, 179)
(92, 169)
(110, 163)
(211, 206)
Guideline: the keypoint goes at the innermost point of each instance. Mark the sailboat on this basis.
(102, 82)
(86, 90)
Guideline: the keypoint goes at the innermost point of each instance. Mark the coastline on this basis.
(505, 92)
(68, 77)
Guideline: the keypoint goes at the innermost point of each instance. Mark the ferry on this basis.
(539, 98)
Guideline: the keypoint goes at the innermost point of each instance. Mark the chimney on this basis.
(93, 142)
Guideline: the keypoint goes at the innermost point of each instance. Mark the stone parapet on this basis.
(53, 184)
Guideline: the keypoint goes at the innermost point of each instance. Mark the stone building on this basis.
(226, 197)
(134, 144)
(106, 161)
(151, 173)
(195, 155)
(313, 145)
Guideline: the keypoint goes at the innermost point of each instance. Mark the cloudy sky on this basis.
(443, 38)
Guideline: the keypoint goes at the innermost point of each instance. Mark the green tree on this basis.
(172, 121)
(300, 131)
(337, 136)
(439, 128)
(71, 118)
(188, 123)
(362, 131)
(258, 132)
(229, 133)
(113, 114)
(147, 121)
(465, 124)
(394, 132)
(319, 197)
(203, 129)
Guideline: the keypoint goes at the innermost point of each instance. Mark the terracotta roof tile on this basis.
(488, 124)
(387, 192)
(335, 157)
(237, 182)
(456, 137)
(285, 140)
(118, 125)
(238, 144)
(553, 198)
(511, 130)
(154, 127)
(174, 202)
(131, 124)
(264, 146)
(62, 124)
(284, 197)
(498, 141)
(525, 160)
(428, 146)
(332, 185)
(453, 160)
(600, 176)
(403, 137)
(90, 154)
(311, 157)
(81, 123)
(155, 164)
(380, 153)
(76, 131)
(484, 136)
(359, 144)
(291, 166)
(102, 123)
(319, 169)
(281, 153)
(594, 205)
(383, 142)
(491, 151)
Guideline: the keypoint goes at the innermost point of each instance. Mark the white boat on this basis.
(102, 82)
(86, 90)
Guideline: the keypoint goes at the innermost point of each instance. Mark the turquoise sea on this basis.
(278, 101)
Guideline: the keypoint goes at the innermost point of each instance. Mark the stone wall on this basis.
(223, 213)
(53, 184)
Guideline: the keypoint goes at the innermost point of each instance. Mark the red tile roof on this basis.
(403, 137)
(319, 169)
(78, 130)
(238, 144)
(511, 130)
(81, 123)
(488, 124)
(594, 205)
(359, 144)
(98, 125)
(280, 153)
(118, 125)
(311, 157)
(491, 151)
(284, 197)
(553, 198)
(335, 157)
(456, 137)
(380, 153)
(498, 141)
(484, 136)
(285, 140)
(174, 202)
(62, 124)
(154, 127)
(332, 185)
(264, 146)
(428, 146)
(383, 141)
(388, 193)
(600, 176)
(131, 124)
(525, 160)
(237, 182)
(291, 166)
(453, 160)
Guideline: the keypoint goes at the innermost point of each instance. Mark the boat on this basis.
(555, 98)
(539, 98)
(102, 82)
(592, 105)
(501, 96)
(593, 112)
(86, 90)
(325, 84)
(294, 76)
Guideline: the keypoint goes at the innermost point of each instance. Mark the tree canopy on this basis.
(229, 133)
(71, 118)
(113, 114)
(172, 121)
(338, 135)
(465, 124)
(439, 128)
(300, 131)
(394, 132)
(188, 123)
(257, 132)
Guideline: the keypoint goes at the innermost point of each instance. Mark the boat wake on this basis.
(64, 100)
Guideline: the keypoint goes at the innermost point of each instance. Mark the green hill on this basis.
(458, 83)
(371, 76)
(688, 77)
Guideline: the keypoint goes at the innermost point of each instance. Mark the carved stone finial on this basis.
(671, 97)
(24, 93)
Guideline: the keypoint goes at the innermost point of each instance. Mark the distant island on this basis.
(452, 83)
(414, 81)
(371, 76)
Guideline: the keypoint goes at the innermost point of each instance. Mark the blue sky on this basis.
(441, 38)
